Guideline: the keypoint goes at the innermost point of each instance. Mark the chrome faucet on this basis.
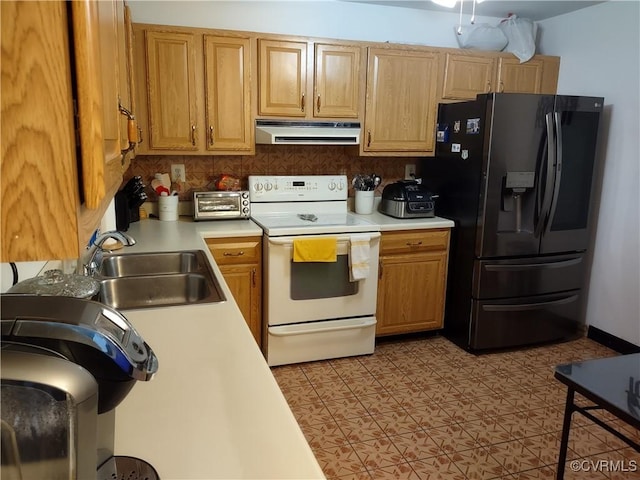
(92, 258)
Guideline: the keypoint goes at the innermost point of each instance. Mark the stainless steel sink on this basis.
(158, 263)
(145, 280)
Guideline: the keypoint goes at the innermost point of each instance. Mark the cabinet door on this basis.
(38, 172)
(244, 281)
(171, 86)
(337, 81)
(516, 77)
(110, 52)
(465, 76)
(283, 78)
(401, 99)
(411, 293)
(227, 94)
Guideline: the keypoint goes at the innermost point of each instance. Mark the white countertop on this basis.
(388, 223)
(213, 410)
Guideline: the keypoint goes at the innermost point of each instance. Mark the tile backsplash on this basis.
(201, 171)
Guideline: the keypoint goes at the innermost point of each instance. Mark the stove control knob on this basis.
(332, 185)
(341, 185)
(257, 186)
(268, 187)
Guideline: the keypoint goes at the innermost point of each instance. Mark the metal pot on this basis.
(55, 282)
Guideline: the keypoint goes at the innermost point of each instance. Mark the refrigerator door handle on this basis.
(548, 183)
(528, 306)
(558, 169)
(527, 266)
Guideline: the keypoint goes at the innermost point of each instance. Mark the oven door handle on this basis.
(291, 330)
(339, 238)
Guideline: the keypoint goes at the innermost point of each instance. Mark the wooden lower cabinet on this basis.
(240, 262)
(412, 281)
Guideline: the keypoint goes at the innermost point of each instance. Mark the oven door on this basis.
(299, 292)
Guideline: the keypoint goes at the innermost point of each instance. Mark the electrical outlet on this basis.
(409, 171)
(178, 173)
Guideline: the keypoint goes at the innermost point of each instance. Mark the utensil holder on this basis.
(168, 208)
(364, 201)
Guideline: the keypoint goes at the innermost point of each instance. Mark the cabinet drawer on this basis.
(235, 250)
(413, 241)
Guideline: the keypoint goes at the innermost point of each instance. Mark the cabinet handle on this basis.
(318, 104)
(211, 139)
(302, 102)
(369, 138)
(230, 254)
(132, 129)
(414, 244)
(139, 134)
(379, 269)
(193, 135)
(501, 87)
(253, 277)
(488, 86)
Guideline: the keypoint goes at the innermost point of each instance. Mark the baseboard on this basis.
(611, 341)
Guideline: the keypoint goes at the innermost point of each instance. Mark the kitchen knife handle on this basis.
(302, 102)
(318, 104)
(211, 139)
(193, 135)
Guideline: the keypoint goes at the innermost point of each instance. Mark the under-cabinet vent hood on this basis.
(276, 132)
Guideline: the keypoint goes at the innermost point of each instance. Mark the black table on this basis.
(612, 384)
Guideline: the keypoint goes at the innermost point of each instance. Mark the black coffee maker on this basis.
(85, 348)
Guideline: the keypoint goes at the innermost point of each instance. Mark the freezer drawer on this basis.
(527, 276)
(525, 321)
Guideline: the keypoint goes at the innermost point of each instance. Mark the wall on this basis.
(329, 18)
(600, 50)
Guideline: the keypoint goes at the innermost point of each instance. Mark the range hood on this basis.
(277, 132)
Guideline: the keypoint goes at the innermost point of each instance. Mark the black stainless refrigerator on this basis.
(515, 174)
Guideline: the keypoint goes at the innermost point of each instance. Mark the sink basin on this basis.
(146, 280)
(160, 263)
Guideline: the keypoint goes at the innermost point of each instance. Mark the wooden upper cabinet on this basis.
(465, 76)
(171, 82)
(401, 101)
(336, 81)
(516, 77)
(469, 74)
(59, 169)
(227, 93)
(283, 78)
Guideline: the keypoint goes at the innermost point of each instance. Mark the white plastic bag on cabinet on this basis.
(480, 36)
(521, 33)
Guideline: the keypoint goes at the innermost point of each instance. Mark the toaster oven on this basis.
(221, 205)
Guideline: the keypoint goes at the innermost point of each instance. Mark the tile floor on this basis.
(425, 409)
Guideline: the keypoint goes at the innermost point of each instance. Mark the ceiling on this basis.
(533, 9)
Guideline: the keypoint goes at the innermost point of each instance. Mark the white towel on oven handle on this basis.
(359, 256)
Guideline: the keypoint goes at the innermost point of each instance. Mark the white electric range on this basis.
(313, 310)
